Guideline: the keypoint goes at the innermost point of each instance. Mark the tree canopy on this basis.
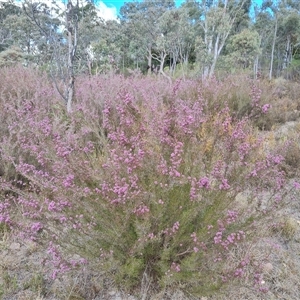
(156, 36)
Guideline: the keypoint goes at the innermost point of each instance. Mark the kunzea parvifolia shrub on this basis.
(139, 181)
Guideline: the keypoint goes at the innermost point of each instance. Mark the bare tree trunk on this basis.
(255, 67)
(216, 55)
(71, 25)
(149, 58)
(89, 65)
(273, 47)
(209, 51)
(161, 59)
(216, 34)
(287, 54)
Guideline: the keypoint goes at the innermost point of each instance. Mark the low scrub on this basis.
(140, 181)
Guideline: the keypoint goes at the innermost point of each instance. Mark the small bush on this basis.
(292, 158)
(289, 228)
(139, 181)
(35, 283)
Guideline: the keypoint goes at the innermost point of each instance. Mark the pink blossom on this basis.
(141, 210)
(265, 108)
(224, 185)
(204, 182)
(175, 267)
(52, 206)
(194, 237)
(35, 227)
(297, 185)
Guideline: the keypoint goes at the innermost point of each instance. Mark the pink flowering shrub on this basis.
(141, 178)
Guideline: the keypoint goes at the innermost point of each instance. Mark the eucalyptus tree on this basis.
(187, 33)
(177, 38)
(165, 42)
(280, 20)
(274, 7)
(27, 37)
(88, 31)
(243, 49)
(141, 21)
(242, 20)
(217, 21)
(71, 25)
(19, 31)
(264, 25)
(109, 47)
(12, 34)
(289, 32)
(7, 10)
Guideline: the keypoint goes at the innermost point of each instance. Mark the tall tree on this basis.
(109, 47)
(217, 21)
(243, 49)
(7, 10)
(141, 21)
(177, 37)
(281, 19)
(289, 32)
(72, 33)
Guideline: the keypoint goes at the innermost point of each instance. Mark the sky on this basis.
(119, 3)
(112, 7)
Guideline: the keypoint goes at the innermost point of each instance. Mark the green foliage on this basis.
(203, 34)
(4, 229)
(36, 283)
(130, 273)
(289, 228)
(9, 282)
(293, 70)
(243, 48)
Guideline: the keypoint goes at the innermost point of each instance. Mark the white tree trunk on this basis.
(273, 48)
(288, 52)
(71, 25)
(149, 58)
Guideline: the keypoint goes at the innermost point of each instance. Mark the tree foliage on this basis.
(156, 36)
